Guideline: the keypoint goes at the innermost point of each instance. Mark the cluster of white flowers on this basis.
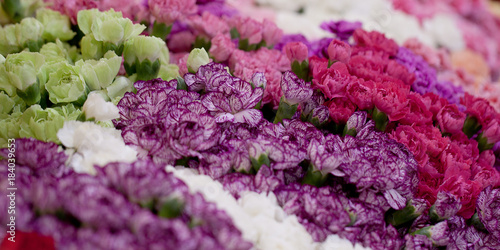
(379, 15)
(90, 144)
(259, 217)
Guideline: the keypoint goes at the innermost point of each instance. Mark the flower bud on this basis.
(339, 51)
(56, 25)
(197, 58)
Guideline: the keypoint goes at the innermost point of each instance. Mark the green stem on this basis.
(285, 111)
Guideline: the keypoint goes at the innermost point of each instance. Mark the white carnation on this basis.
(96, 107)
(94, 145)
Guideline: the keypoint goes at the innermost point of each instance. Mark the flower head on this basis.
(295, 90)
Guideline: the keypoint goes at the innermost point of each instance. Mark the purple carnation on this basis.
(210, 77)
(342, 29)
(417, 241)
(319, 47)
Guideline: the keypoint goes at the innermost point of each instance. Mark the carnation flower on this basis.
(296, 51)
(342, 29)
(169, 11)
(487, 207)
(339, 51)
(450, 119)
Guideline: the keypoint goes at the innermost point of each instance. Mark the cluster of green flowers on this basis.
(47, 70)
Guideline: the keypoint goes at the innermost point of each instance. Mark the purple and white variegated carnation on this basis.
(320, 115)
(446, 206)
(417, 241)
(295, 90)
(41, 158)
(356, 122)
(259, 80)
(488, 207)
(237, 106)
(317, 99)
(210, 77)
(301, 133)
(324, 161)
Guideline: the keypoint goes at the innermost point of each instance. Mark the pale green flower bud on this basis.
(91, 48)
(197, 58)
(169, 72)
(142, 56)
(22, 69)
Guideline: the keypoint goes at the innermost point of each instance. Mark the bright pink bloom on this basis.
(296, 51)
(183, 69)
(434, 103)
(492, 131)
(435, 142)
(334, 80)
(168, 11)
(222, 47)
(361, 93)
(485, 174)
(339, 51)
(391, 100)
(376, 41)
(340, 109)
(317, 66)
(271, 34)
(413, 140)
(450, 119)
(478, 108)
(468, 146)
(466, 190)
(418, 112)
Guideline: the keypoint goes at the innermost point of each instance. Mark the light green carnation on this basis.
(54, 52)
(56, 25)
(21, 71)
(91, 48)
(4, 82)
(16, 10)
(120, 86)
(66, 85)
(9, 127)
(29, 34)
(109, 27)
(100, 74)
(43, 124)
(8, 40)
(197, 58)
(6, 103)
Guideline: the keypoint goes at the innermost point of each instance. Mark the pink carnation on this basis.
(317, 66)
(413, 140)
(222, 47)
(434, 103)
(492, 131)
(417, 111)
(478, 108)
(334, 80)
(271, 34)
(248, 28)
(181, 42)
(391, 100)
(168, 11)
(296, 51)
(208, 25)
(435, 142)
(376, 41)
(71, 8)
(361, 92)
(466, 190)
(340, 109)
(339, 51)
(450, 119)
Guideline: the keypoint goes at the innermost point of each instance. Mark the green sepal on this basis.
(181, 84)
(13, 9)
(483, 143)
(118, 49)
(381, 119)
(200, 42)
(262, 160)
(161, 30)
(34, 46)
(285, 111)
(234, 33)
(31, 95)
(400, 217)
(471, 126)
(171, 208)
(147, 70)
(301, 69)
(314, 177)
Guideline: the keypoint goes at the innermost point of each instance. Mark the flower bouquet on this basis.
(222, 125)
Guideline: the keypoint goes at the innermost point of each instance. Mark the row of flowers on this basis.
(353, 135)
